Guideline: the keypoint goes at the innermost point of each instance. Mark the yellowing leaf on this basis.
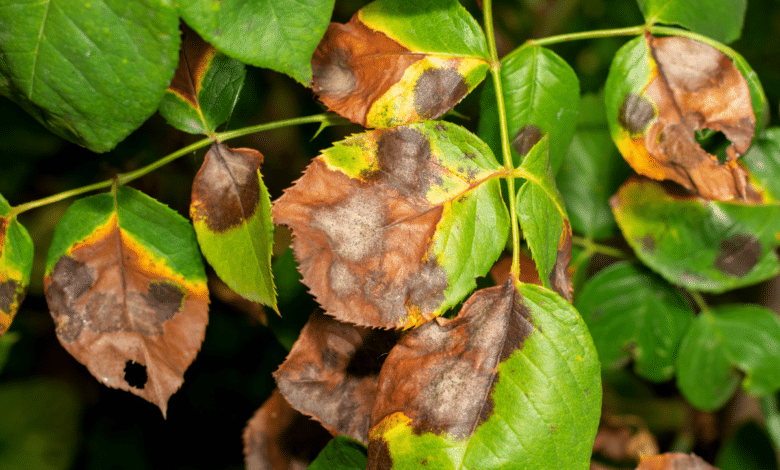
(16, 259)
(127, 290)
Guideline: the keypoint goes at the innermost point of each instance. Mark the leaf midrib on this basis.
(37, 50)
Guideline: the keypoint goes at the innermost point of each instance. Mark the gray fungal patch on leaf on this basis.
(438, 90)
(342, 280)
(635, 113)
(334, 77)
(404, 156)
(165, 298)
(738, 255)
(354, 227)
(525, 139)
(8, 290)
(102, 314)
(68, 281)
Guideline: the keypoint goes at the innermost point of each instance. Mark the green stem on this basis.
(124, 178)
(593, 247)
(772, 417)
(601, 33)
(700, 302)
(495, 72)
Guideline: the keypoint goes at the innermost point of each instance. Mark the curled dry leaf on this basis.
(381, 222)
(280, 438)
(379, 75)
(332, 372)
(660, 92)
(673, 461)
(127, 290)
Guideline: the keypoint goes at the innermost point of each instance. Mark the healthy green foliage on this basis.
(719, 19)
(342, 453)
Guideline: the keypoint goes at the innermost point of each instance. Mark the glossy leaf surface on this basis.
(701, 245)
(382, 219)
(659, 92)
(332, 372)
(397, 62)
(342, 453)
(280, 35)
(763, 162)
(724, 344)
(718, 19)
(16, 260)
(126, 287)
(544, 221)
(634, 314)
(512, 382)
(231, 212)
(591, 172)
(204, 88)
(91, 72)
(541, 95)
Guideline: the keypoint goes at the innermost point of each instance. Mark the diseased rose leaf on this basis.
(204, 88)
(16, 260)
(544, 221)
(719, 19)
(659, 92)
(126, 287)
(511, 382)
(541, 95)
(280, 438)
(332, 372)
(701, 245)
(397, 62)
(381, 222)
(231, 212)
(673, 461)
(635, 315)
(725, 346)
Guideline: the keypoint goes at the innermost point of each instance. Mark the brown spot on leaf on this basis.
(8, 292)
(635, 113)
(525, 139)
(4, 221)
(226, 189)
(559, 276)
(738, 255)
(332, 371)
(194, 57)
(647, 242)
(437, 91)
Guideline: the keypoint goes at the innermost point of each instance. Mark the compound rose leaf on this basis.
(280, 438)
(280, 35)
(701, 245)
(126, 287)
(635, 315)
(725, 346)
(16, 260)
(383, 222)
(512, 382)
(673, 461)
(332, 372)
(659, 92)
(541, 94)
(204, 89)
(397, 62)
(719, 19)
(231, 212)
(544, 221)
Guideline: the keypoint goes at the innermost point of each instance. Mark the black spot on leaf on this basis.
(738, 255)
(437, 91)
(135, 374)
(635, 113)
(525, 139)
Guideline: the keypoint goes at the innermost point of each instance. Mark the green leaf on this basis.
(544, 221)
(341, 453)
(231, 212)
(541, 95)
(718, 19)
(591, 173)
(397, 62)
(723, 344)
(634, 314)
(382, 222)
(280, 35)
(204, 89)
(763, 162)
(16, 260)
(126, 287)
(40, 425)
(701, 245)
(749, 448)
(91, 72)
(512, 382)
(6, 345)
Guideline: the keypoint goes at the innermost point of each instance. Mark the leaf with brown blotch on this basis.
(389, 65)
(382, 221)
(511, 382)
(332, 372)
(280, 438)
(126, 287)
(16, 260)
(231, 212)
(673, 461)
(659, 92)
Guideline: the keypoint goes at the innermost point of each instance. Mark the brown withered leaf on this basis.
(332, 372)
(280, 438)
(690, 86)
(194, 58)
(673, 461)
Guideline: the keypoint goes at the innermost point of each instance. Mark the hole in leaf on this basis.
(714, 142)
(135, 374)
